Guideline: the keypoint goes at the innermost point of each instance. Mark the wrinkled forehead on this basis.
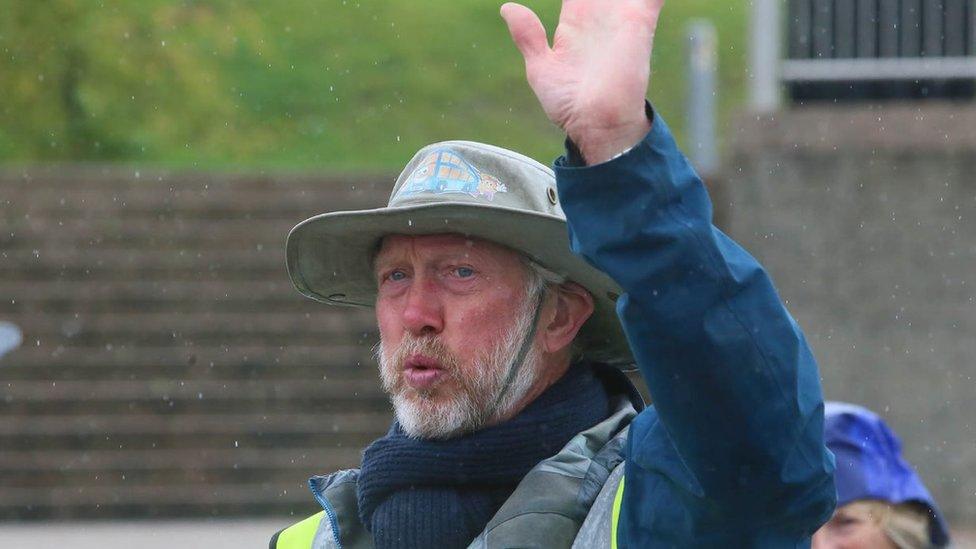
(394, 245)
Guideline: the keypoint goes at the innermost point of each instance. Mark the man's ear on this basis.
(570, 307)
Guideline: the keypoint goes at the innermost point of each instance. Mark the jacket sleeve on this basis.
(732, 451)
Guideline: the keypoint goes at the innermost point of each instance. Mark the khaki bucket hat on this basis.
(460, 187)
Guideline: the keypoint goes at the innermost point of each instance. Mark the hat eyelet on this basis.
(551, 193)
(613, 296)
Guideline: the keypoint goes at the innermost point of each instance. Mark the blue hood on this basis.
(870, 464)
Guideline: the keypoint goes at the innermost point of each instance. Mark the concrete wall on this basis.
(866, 219)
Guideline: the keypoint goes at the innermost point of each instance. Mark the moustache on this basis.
(394, 361)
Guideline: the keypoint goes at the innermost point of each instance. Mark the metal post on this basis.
(702, 63)
(972, 27)
(764, 56)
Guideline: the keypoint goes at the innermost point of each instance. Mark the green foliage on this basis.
(293, 84)
(118, 80)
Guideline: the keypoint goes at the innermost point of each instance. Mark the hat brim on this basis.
(329, 258)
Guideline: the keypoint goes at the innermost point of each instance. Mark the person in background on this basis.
(881, 501)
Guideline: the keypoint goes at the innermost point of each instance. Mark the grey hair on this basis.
(540, 283)
(539, 280)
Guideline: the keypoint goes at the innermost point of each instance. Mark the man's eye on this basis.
(397, 275)
(464, 272)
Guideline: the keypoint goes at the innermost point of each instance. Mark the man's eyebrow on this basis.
(380, 262)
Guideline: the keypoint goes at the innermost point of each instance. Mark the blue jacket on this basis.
(732, 453)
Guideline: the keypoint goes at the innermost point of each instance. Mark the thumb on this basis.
(527, 31)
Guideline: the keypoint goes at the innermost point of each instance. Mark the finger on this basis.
(527, 31)
(656, 7)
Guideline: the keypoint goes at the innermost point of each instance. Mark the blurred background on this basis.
(155, 363)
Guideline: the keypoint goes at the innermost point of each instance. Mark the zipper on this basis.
(329, 512)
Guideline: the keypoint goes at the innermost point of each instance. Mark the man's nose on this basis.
(423, 313)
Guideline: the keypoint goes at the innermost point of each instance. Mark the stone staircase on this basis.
(168, 368)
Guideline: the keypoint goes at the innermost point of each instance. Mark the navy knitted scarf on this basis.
(442, 493)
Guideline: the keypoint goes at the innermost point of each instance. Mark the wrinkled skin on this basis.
(465, 295)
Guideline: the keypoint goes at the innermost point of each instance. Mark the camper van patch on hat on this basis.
(443, 171)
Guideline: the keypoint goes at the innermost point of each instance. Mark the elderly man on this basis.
(504, 324)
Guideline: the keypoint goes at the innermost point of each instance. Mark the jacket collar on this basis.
(564, 485)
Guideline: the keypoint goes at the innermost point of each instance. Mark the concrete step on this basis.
(307, 458)
(128, 361)
(208, 424)
(130, 391)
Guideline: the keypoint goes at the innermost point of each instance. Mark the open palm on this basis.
(593, 80)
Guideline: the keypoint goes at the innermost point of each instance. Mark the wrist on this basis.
(597, 145)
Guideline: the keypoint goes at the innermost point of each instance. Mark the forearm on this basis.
(728, 369)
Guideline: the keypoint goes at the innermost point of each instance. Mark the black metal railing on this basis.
(844, 49)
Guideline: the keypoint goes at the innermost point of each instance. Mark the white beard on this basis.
(478, 399)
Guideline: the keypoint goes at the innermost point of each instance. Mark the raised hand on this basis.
(593, 80)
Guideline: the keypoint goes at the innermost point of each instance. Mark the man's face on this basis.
(452, 314)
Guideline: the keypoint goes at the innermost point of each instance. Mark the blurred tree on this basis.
(112, 79)
(294, 84)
